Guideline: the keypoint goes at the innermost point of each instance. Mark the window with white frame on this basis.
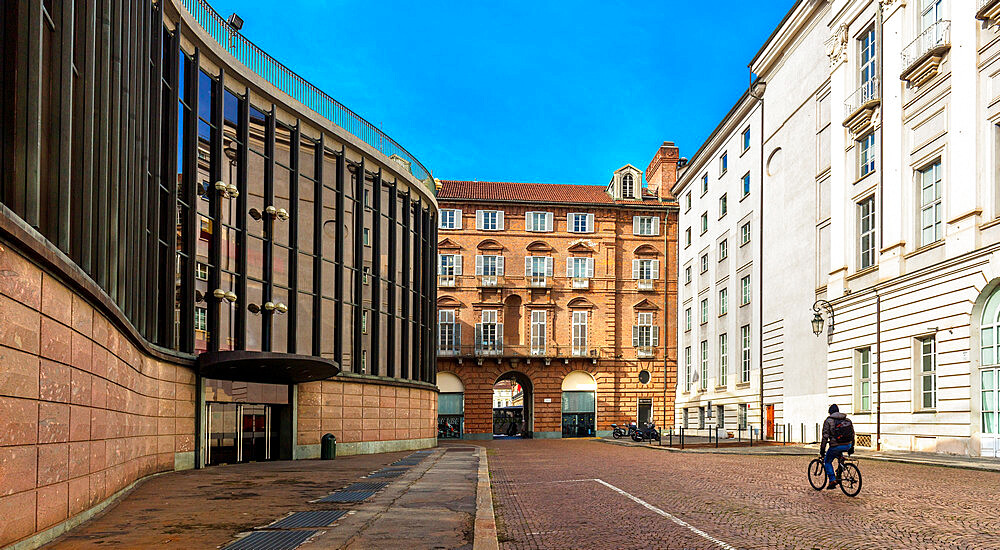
(538, 332)
(580, 268)
(723, 301)
(866, 233)
(931, 11)
(745, 352)
(580, 332)
(687, 375)
(628, 186)
(723, 249)
(448, 331)
(723, 359)
(200, 319)
(539, 222)
(930, 204)
(745, 290)
(745, 233)
(720, 416)
(687, 319)
(746, 139)
(687, 275)
(867, 67)
(704, 311)
(450, 219)
(704, 365)
(863, 368)
(580, 223)
(449, 266)
(489, 220)
(645, 334)
(201, 271)
(687, 237)
(927, 372)
(645, 225)
(704, 263)
(687, 202)
(489, 265)
(723, 206)
(489, 333)
(645, 270)
(704, 222)
(537, 266)
(704, 183)
(746, 184)
(366, 236)
(723, 164)
(866, 154)
(701, 418)
(364, 322)
(741, 418)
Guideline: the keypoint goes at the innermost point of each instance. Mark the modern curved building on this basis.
(203, 259)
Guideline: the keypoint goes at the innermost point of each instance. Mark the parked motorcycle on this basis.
(648, 431)
(619, 433)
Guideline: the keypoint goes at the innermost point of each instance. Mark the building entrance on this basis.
(512, 406)
(240, 432)
(990, 435)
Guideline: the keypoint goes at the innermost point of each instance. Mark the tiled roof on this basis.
(535, 192)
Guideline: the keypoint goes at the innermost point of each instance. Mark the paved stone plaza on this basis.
(546, 497)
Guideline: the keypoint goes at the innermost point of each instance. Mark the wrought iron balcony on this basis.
(446, 280)
(498, 350)
(645, 284)
(489, 281)
(645, 351)
(989, 11)
(869, 93)
(539, 281)
(581, 282)
(922, 57)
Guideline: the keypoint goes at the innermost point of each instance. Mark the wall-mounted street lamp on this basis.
(227, 191)
(817, 320)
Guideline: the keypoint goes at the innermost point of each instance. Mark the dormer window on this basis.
(628, 186)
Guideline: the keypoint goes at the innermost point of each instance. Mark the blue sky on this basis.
(522, 91)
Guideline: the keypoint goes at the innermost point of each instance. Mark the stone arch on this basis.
(984, 366)
(489, 244)
(448, 301)
(540, 246)
(580, 302)
(646, 250)
(527, 400)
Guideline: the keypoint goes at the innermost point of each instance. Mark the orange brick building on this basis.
(569, 290)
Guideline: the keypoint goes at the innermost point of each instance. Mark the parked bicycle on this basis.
(847, 472)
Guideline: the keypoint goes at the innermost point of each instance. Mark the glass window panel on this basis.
(304, 328)
(205, 86)
(255, 294)
(279, 322)
(451, 403)
(280, 265)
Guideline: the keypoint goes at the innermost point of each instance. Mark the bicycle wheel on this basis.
(817, 475)
(850, 480)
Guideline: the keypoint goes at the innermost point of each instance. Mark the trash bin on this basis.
(328, 448)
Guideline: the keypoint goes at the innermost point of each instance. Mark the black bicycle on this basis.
(847, 472)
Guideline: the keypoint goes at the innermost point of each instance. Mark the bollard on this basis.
(682, 438)
(328, 449)
(716, 437)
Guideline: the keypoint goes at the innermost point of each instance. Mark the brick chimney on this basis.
(661, 175)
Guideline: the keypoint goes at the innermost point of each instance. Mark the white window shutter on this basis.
(479, 265)
(569, 267)
(635, 225)
(458, 264)
(479, 219)
(500, 220)
(635, 336)
(569, 223)
(500, 266)
(635, 269)
(656, 335)
(549, 220)
(590, 268)
(527, 266)
(656, 270)
(590, 223)
(458, 219)
(529, 221)
(656, 225)
(548, 266)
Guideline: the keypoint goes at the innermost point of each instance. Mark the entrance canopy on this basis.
(266, 367)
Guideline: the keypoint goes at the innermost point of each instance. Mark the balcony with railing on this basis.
(861, 106)
(645, 352)
(489, 281)
(989, 11)
(283, 78)
(498, 349)
(581, 283)
(446, 280)
(922, 57)
(645, 284)
(539, 281)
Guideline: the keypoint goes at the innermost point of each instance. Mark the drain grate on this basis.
(297, 520)
(407, 462)
(271, 540)
(386, 473)
(347, 496)
(366, 486)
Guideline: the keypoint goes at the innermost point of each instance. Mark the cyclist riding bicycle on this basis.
(839, 432)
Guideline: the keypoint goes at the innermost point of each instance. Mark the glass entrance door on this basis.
(256, 433)
(238, 433)
(990, 434)
(222, 436)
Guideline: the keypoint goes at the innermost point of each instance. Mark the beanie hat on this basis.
(834, 408)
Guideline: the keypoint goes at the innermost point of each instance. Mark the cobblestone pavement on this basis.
(544, 500)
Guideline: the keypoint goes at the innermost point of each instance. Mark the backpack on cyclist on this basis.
(843, 431)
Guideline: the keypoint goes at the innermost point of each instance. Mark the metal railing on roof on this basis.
(270, 69)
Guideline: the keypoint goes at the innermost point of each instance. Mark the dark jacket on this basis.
(828, 432)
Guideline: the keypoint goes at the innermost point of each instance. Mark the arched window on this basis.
(628, 186)
(990, 327)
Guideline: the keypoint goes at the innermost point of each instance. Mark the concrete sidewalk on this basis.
(771, 448)
(439, 498)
